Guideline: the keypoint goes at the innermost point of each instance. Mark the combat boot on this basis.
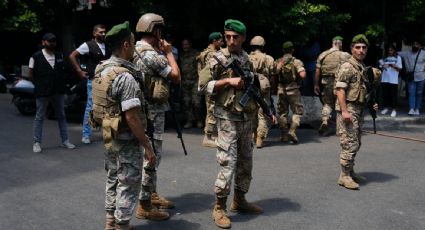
(291, 134)
(284, 135)
(219, 214)
(345, 178)
(123, 227)
(161, 202)
(323, 130)
(208, 141)
(239, 204)
(259, 142)
(146, 210)
(110, 221)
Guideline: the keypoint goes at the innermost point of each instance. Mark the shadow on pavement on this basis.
(192, 202)
(271, 207)
(378, 177)
(169, 224)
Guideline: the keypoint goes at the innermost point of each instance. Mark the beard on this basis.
(415, 49)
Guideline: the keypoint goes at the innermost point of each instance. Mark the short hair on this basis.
(98, 26)
(117, 44)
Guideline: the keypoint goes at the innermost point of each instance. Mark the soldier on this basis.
(215, 42)
(264, 66)
(234, 124)
(351, 92)
(191, 97)
(158, 69)
(290, 72)
(326, 67)
(117, 107)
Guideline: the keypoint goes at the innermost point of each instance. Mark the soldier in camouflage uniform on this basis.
(191, 97)
(157, 70)
(326, 67)
(117, 107)
(290, 72)
(264, 66)
(351, 92)
(234, 124)
(215, 42)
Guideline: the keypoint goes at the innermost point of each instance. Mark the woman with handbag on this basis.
(390, 65)
(415, 76)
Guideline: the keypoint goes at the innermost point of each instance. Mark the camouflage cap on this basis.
(214, 36)
(287, 45)
(118, 32)
(339, 38)
(360, 38)
(234, 25)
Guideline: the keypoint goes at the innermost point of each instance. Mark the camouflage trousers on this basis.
(328, 100)
(122, 165)
(191, 100)
(149, 176)
(292, 101)
(350, 132)
(210, 123)
(261, 125)
(234, 155)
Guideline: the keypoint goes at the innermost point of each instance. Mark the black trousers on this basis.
(389, 95)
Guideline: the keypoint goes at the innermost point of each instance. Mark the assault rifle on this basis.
(176, 120)
(371, 95)
(251, 83)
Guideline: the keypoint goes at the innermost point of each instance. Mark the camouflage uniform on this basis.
(352, 78)
(210, 123)
(123, 159)
(191, 97)
(155, 68)
(234, 124)
(288, 93)
(328, 62)
(263, 64)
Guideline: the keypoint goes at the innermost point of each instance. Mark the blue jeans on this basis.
(415, 89)
(58, 105)
(89, 105)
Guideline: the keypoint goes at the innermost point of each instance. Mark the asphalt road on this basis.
(296, 185)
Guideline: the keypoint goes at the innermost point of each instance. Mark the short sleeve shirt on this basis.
(83, 49)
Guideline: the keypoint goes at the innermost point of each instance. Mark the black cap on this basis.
(49, 37)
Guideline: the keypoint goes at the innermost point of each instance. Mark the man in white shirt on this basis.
(95, 51)
(46, 71)
(416, 86)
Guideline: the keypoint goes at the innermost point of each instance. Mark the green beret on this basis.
(118, 32)
(234, 25)
(360, 38)
(287, 45)
(339, 38)
(214, 36)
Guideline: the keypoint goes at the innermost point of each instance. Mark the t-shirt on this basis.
(389, 74)
(50, 57)
(84, 48)
(409, 59)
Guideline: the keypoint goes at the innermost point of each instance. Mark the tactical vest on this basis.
(356, 89)
(330, 63)
(229, 97)
(288, 75)
(106, 111)
(202, 58)
(259, 62)
(157, 87)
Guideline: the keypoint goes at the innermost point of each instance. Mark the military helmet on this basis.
(257, 41)
(148, 21)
